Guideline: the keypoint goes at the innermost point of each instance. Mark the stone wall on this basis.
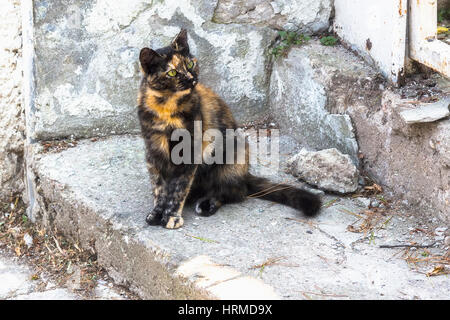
(11, 110)
(87, 56)
(294, 15)
(411, 161)
(309, 90)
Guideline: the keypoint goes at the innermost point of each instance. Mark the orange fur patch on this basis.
(166, 109)
(161, 141)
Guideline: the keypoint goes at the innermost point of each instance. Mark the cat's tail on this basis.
(288, 195)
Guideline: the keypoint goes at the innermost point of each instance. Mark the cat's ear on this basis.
(180, 43)
(149, 60)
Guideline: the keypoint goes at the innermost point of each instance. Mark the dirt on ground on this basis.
(53, 258)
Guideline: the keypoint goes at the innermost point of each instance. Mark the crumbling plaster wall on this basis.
(11, 109)
(411, 161)
(87, 70)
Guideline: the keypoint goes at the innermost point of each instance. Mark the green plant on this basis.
(443, 14)
(287, 40)
(328, 41)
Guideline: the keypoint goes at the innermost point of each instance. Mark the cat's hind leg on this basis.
(207, 206)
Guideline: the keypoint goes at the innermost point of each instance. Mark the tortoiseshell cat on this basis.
(170, 98)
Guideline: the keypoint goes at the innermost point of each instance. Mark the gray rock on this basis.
(28, 240)
(428, 112)
(327, 169)
(440, 231)
(294, 15)
(366, 202)
(447, 241)
(375, 203)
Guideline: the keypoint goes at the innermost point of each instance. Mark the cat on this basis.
(170, 97)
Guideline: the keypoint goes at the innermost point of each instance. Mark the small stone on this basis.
(447, 241)
(327, 169)
(375, 203)
(361, 181)
(364, 201)
(428, 112)
(74, 281)
(28, 240)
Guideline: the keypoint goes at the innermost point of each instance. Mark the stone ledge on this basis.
(98, 193)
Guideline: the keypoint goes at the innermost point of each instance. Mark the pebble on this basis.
(364, 201)
(440, 231)
(28, 240)
(375, 203)
(447, 241)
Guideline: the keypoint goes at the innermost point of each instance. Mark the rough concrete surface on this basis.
(11, 110)
(309, 90)
(411, 161)
(99, 193)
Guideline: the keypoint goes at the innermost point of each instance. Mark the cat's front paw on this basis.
(154, 217)
(172, 222)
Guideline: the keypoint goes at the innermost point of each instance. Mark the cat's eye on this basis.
(172, 73)
(190, 64)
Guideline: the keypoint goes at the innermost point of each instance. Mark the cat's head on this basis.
(170, 68)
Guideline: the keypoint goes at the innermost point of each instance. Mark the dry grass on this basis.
(47, 250)
(368, 220)
(272, 262)
(438, 264)
(58, 145)
(419, 260)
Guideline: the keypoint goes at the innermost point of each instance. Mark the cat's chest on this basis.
(174, 111)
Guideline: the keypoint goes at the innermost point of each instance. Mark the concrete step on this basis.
(98, 193)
